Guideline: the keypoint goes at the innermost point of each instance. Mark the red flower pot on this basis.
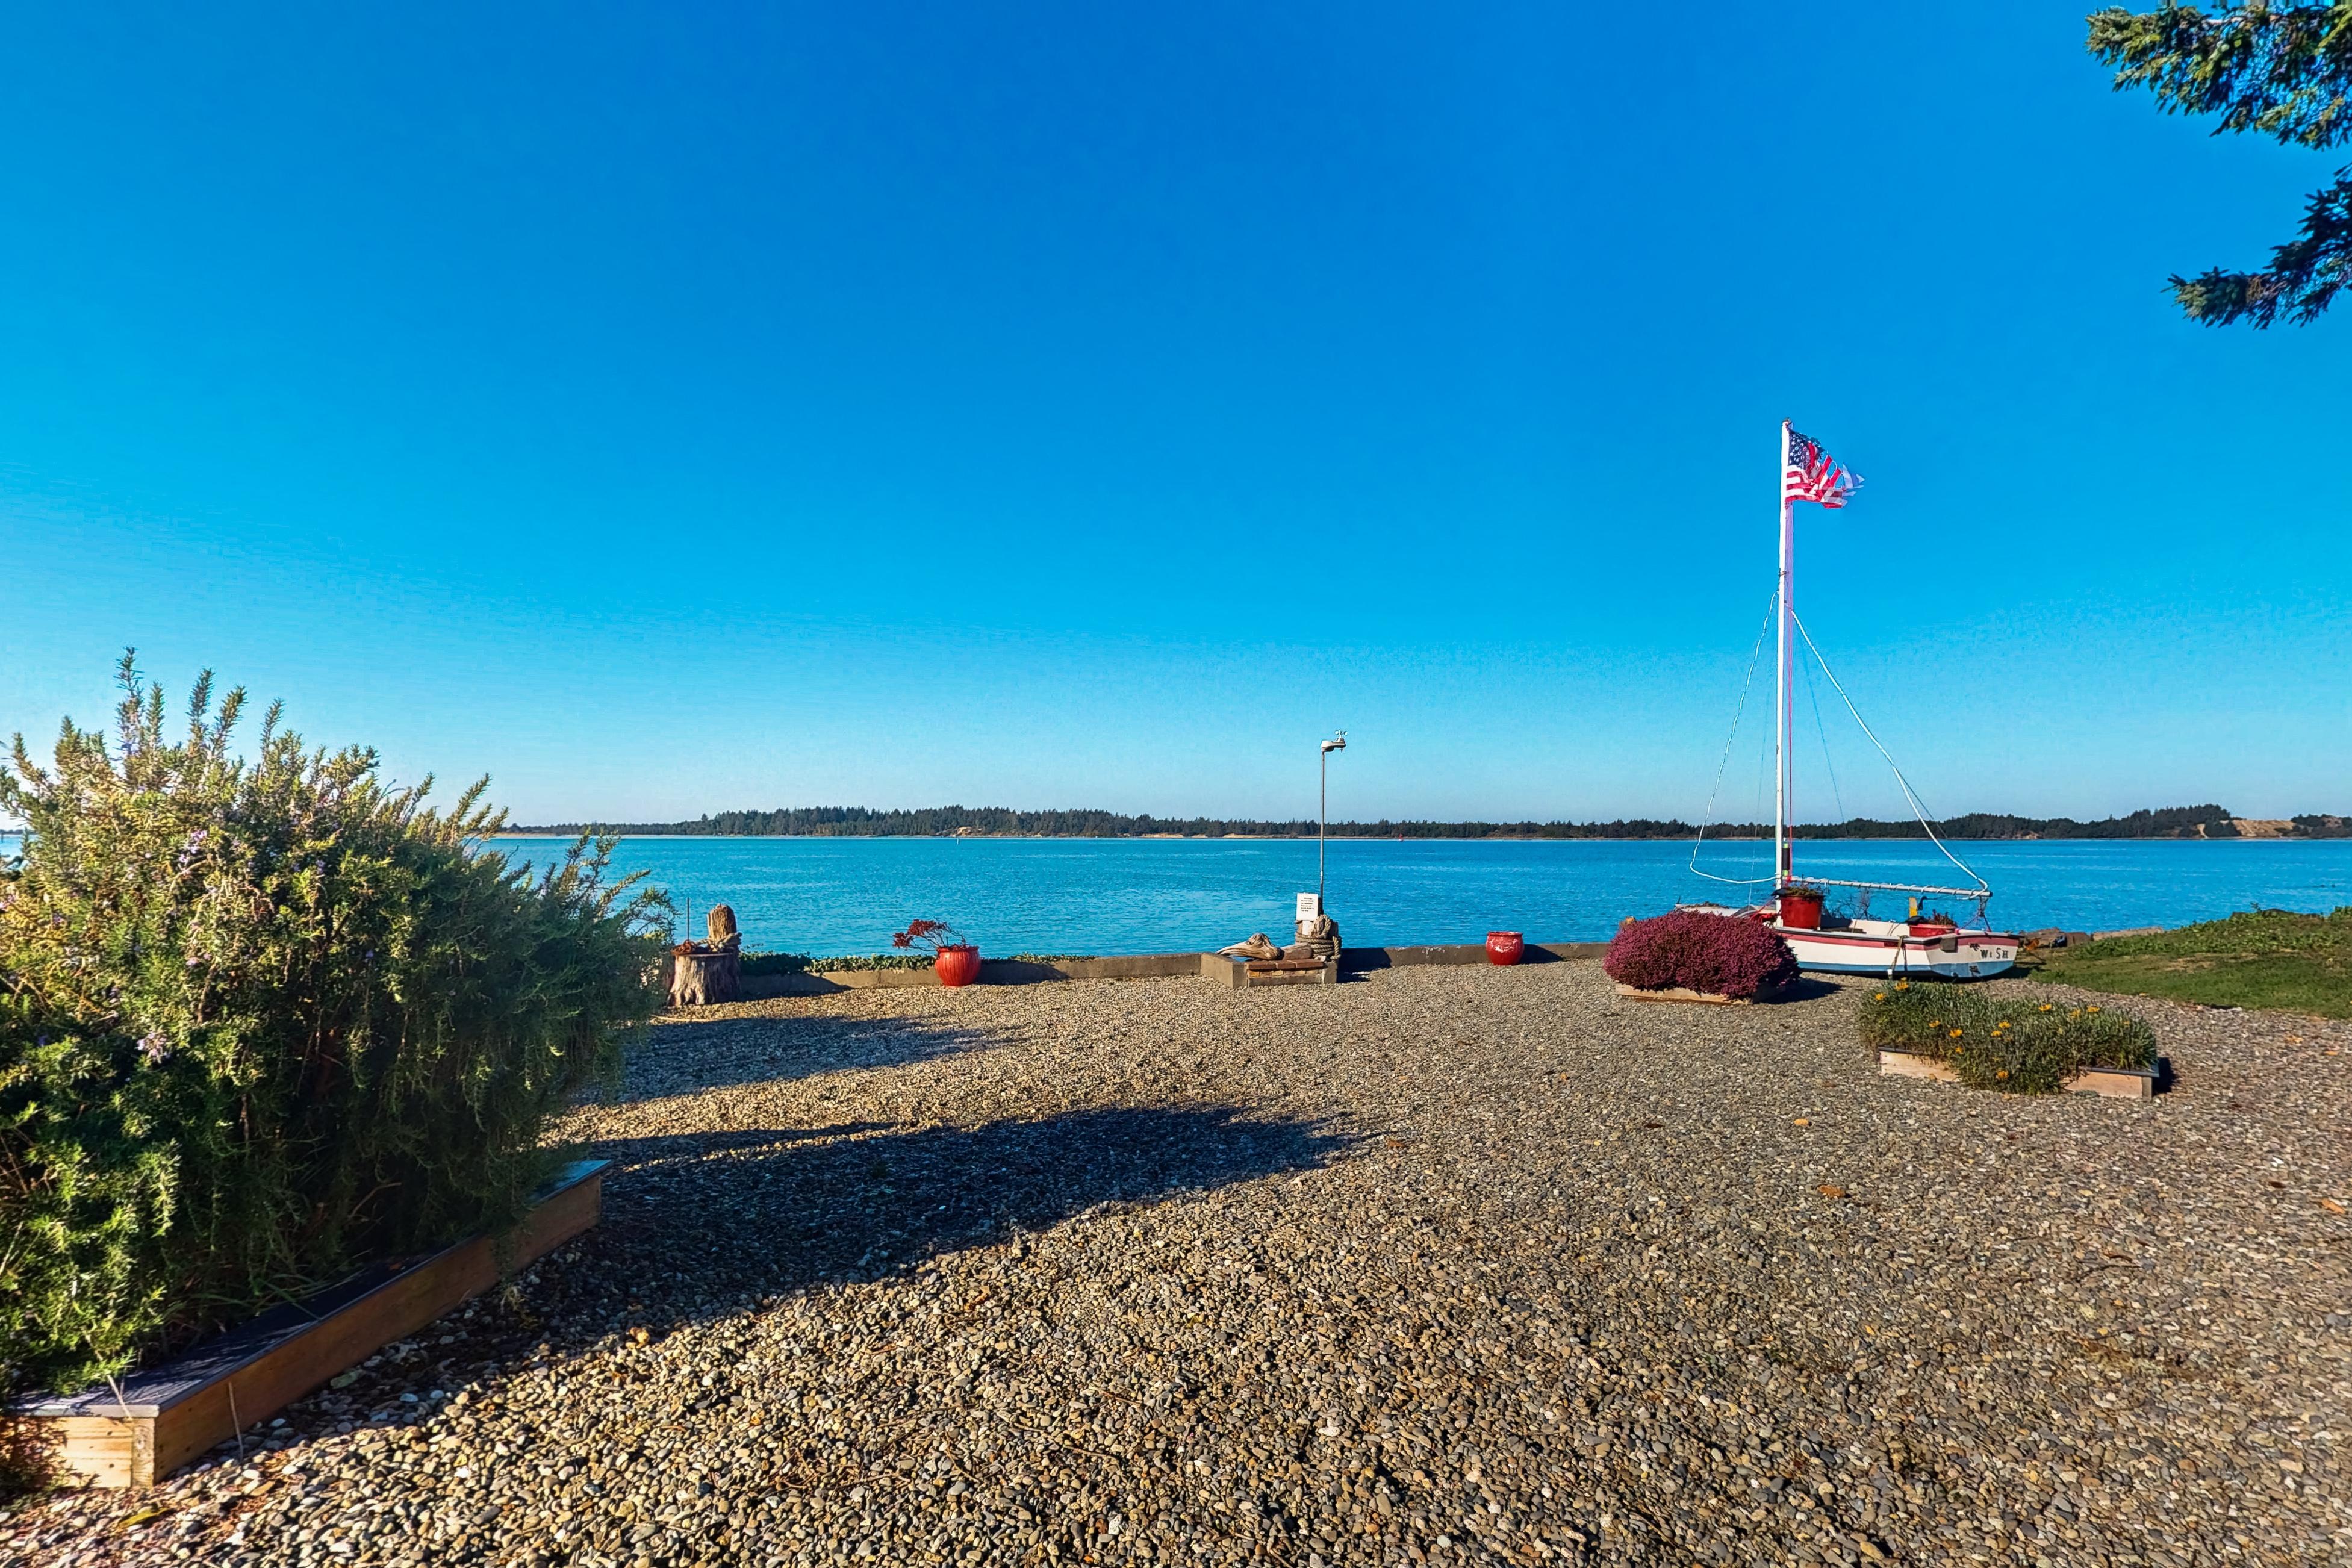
(1505, 946)
(957, 966)
(1801, 912)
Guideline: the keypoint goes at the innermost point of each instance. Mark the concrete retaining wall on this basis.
(1140, 966)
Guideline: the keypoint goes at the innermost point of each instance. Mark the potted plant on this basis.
(1933, 922)
(1504, 947)
(1800, 907)
(955, 961)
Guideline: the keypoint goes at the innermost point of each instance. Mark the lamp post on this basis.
(1338, 743)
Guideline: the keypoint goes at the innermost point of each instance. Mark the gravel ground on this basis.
(1438, 1265)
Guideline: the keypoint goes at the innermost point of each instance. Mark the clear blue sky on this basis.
(669, 409)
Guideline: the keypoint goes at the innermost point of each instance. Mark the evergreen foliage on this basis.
(858, 822)
(264, 1020)
(2278, 70)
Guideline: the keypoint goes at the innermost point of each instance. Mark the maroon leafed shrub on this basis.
(1724, 955)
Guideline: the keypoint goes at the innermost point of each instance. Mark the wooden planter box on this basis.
(1682, 994)
(165, 1416)
(2115, 1083)
(1242, 974)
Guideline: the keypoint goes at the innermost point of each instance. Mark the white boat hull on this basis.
(1888, 947)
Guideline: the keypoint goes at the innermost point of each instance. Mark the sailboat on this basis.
(1848, 944)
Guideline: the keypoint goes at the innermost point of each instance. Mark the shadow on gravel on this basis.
(696, 1224)
(728, 1053)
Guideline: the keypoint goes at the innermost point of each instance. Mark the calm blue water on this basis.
(1104, 896)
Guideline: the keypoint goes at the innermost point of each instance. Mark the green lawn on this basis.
(2265, 958)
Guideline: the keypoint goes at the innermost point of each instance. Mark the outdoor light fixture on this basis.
(1338, 743)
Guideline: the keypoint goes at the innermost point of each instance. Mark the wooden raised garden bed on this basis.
(1682, 993)
(161, 1417)
(2115, 1083)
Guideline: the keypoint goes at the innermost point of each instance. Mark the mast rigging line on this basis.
(1771, 606)
(1984, 889)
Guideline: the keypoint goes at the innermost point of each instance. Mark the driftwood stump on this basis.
(721, 921)
(699, 978)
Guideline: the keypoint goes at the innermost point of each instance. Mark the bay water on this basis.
(839, 896)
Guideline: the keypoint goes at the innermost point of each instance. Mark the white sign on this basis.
(1310, 907)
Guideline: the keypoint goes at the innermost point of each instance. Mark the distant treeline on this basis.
(858, 822)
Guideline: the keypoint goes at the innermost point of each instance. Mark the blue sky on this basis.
(667, 410)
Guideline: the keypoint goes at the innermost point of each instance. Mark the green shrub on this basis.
(263, 1020)
(2018, 1044)
(871, 961)
(804, 963)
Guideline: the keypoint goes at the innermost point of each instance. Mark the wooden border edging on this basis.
(162, 1417)
(1789, 991)
(2111, 1083)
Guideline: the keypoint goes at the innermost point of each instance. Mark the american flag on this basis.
(1813, 475)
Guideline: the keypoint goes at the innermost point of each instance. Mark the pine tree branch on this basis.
(2280, 70)
(2283, 71)
(2302, 280)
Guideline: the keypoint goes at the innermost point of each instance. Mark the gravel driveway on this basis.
(1438, 1265)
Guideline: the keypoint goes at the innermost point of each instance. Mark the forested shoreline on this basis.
(997, 821)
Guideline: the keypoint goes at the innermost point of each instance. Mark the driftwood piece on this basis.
(722, 925)
(699, 979)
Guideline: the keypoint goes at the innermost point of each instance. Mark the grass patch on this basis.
(2259, 958)
(2014, 1043)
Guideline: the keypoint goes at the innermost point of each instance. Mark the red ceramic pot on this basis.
(957, 966)
(1801, 912)
(1505, 946)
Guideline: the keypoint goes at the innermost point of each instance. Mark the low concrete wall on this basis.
(1361, 958)
(1140, 966)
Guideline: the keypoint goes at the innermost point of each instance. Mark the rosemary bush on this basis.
(2018, 1044)
(265, 1019)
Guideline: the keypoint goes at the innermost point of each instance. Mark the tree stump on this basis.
(698, 979)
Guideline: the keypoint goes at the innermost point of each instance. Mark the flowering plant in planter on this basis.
(1715, 954)
(2016, 1044)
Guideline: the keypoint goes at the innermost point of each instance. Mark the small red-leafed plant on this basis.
(1721, 955)
(934, 936)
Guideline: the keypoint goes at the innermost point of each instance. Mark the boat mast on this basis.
(1782, 856)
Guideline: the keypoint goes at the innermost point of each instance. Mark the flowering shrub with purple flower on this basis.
(1722, 955)
(265, 1018)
